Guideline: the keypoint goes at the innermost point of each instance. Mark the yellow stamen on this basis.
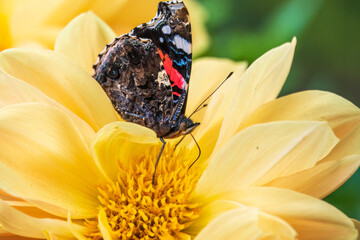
(136, 209)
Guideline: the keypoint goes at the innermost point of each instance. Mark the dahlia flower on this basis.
(71, 169)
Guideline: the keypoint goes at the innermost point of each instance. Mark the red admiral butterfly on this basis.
(146, 72)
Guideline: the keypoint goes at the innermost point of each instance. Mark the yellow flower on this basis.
(38, 22)
(70, 169)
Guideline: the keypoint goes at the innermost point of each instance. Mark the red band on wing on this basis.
(174, 75)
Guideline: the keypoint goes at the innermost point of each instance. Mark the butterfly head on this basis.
(182, 126)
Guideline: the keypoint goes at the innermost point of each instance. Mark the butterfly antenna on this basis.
(199, 151)
(205, 105)
(201, 104)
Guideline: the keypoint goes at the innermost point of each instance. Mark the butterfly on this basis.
(146, 73)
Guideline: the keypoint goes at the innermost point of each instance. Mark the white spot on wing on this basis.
(181, 43)
(166, 29)
(163, 78)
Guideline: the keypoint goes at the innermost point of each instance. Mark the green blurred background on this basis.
(326, 57)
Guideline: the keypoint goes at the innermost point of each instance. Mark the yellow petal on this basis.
(131, 14)
(41, 20)
(62, 12)
(21, 224)
(13, 91)
(221, 99)
(322, 179)
(357, 226)
(77, 232)
(275, 227)
(219, 102)
(13, 237)
(117, 143)
(29, 209)
(211, 211)
(311, 218)
(83, 39)
(60, 79)
(349, 145)
(28, 23)
(104, 226)
(206, 140)
(5, 40)
(3, 232)
(108, 10)
(7, 197)
(264, 152)
(212, 116)
(270, 225)
(206, 75)
(341, 115)
(45, 160)
(234, 224)
(261, 83)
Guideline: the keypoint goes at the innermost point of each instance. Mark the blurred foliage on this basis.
(326, 57)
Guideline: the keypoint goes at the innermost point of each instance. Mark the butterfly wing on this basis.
(132, 74)
(170, 31)
(146, 73)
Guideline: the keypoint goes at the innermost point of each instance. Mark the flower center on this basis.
(137, 209)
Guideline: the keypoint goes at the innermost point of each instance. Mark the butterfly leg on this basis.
(158, 158)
